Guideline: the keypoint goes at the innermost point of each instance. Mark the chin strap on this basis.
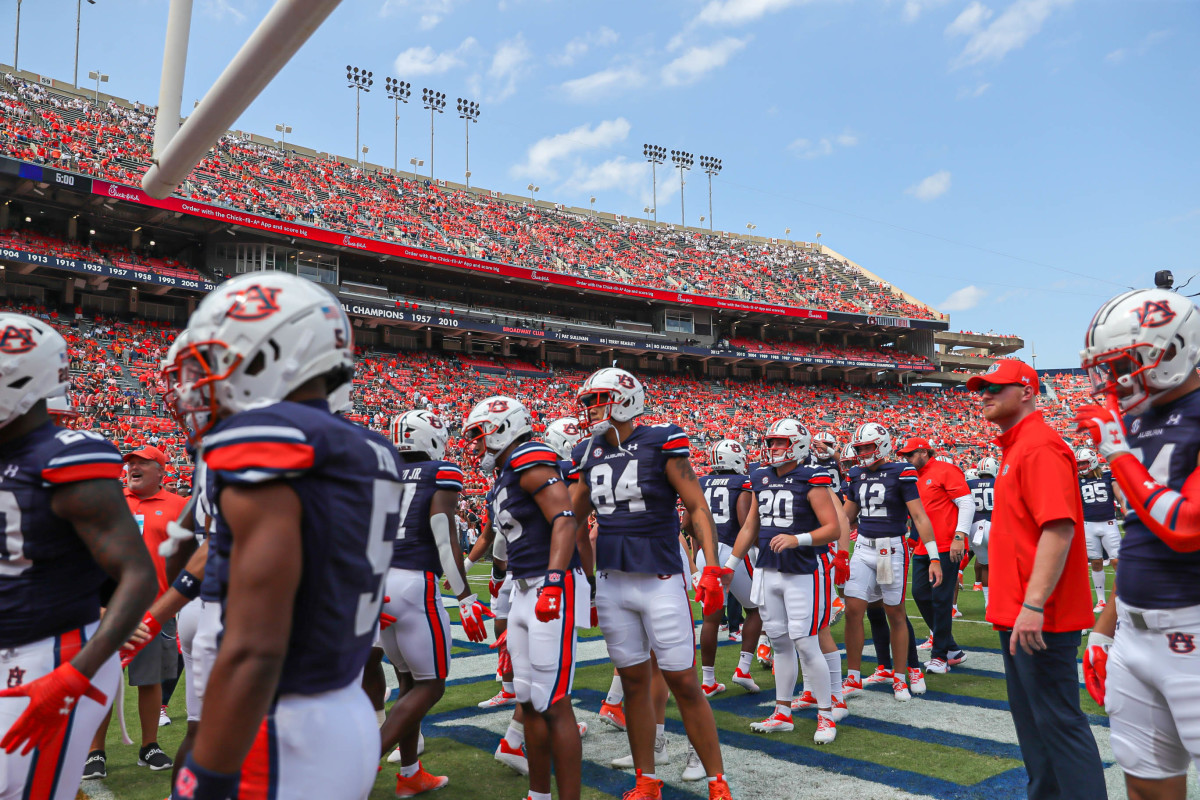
(1172, 516)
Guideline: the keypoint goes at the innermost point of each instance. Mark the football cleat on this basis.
(937, 666)
(1099, 607)
(693, 770)
(956, 657)
(394, 756)
(916, 681)
(851, 684)
(735, 636)
(764, 655)
(978, 587)
(880, 675)
(718, 789)
(612, 714)
(644, 789)
(839, 710)
(805, 700)
(776, 723)
(837, 610)
(927, 644)
(512, 757)
(660, 755)
(745, 680)
(957, 614)
(826, 730)
(900, 690)
(712, 689)
(583, 729)
(502, 699)
(419, 783)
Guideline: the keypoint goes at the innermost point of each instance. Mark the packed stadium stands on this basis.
(112, 141)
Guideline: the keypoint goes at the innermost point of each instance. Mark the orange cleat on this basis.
(644, 789)
(419, 783)
(613, 715)
(718, 789)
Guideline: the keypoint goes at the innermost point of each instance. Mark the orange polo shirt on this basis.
(939, 484)
(1038, 484)
(152, 515)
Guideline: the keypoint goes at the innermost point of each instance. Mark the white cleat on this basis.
(660, 755)
(839, 710)
(583, 729)
(776, 723)
(880, 675)
(501, 699)
(805, 700)
(937, 666)
(900, 690)
(745, 680)
(512, 758)
(826, 730)
(693, 770)
(927, 644)
(712, 689)
(394, 756)
(916, 681)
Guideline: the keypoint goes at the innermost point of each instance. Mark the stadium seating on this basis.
(113, 254)
(113, 142)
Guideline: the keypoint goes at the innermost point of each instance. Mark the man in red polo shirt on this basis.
(153, 507)
(1041, 597)
(951, 508)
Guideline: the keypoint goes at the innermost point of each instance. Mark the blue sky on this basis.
(1014, 162)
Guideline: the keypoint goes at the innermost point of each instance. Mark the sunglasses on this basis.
(994, 388)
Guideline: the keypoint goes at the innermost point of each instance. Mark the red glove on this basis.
(1095, 665)
(504, 662)
(129, 651)
(494, 587)
(471, 612)
(710, 594)
(595, 617)
(386, 620)
(841, 567)
(52, 698)
(550, 596)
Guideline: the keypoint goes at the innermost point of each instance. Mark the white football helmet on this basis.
(339, 399)
(825, 446)
(621, 395)
(849, 456)
(255, 339)
(1086, 460)
(797, 437)
(728, 456)
(1141, 344)
(988, 467)
(420, 431)
(945, 458)
(33, 364)
(498, 421)
(872, 444)
(562, 435)
(971, 474)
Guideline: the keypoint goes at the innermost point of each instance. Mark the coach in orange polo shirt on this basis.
(1040, 599)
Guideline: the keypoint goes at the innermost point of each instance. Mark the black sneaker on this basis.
(95, 767)
(153, 757)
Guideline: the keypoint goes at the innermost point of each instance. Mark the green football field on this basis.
(954, 742)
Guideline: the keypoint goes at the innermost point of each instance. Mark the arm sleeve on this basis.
(966, 512)
(1172, 516)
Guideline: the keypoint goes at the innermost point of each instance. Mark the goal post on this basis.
(286, 28)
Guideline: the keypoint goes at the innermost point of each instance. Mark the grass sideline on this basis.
(473, 773)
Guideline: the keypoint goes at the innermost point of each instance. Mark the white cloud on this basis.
(580, 45)
(1010, 31)
(914, 8)
(221, 9)
(615, 173)
(417, 61)
(808, 148)
(739, 12)
(508, 66)
(428, 12)
(963, 299)
(696, 62)
(932, 187)
(543, 156)
(605, 82)
(1116, 56)
(970, 94)
(1142, 47)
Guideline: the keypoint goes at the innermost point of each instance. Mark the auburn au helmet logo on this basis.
(254, 303)
(570, 429)
(14, 340)
(625, 381)
(1154, 313)
(498, 406)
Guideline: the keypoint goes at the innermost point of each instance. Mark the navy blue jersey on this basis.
(518, 518)
(49, 582)
(722, 490)
(833, 468)
(204, 517)
(1099, 499)
(635, 503)
(348, 483)
(415, 547)
(564, 467)
(882, 496)
(984, 493)
(1152, 575)
(784, 507)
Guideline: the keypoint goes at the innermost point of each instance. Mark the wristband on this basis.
(555, 577)
(803, 539)
(567, 513)
(732, 562)
(467, 563)
(1033, 608)
(497, 573)
(545, 485)
(958, 537)
(187, 585)
(931, 549)
(197, 783)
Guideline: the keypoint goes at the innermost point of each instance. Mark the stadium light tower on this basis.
(436, 103)
(284, 129)
(360, 81)
(532, 191)
(655, 155)
(398, 92)
(99, 77)
(17, 39)
(78, 14)
(711, 166)
(684, 161)
(468, 111)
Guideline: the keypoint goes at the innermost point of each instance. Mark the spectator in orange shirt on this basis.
(153, 507)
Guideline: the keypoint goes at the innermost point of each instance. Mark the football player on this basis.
(531, 509)
(1141, 351)
(418, 642)
(882, 497)
(793, 518)
(1100, 505)
(727, 492)
(307, 510)
(633, 476)
(983, 492)
(67, 531)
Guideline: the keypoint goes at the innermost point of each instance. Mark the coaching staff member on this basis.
(1040, 598)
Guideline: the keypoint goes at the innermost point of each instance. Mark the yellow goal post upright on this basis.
(178, 148)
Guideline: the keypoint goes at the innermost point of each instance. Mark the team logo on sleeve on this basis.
(1154, 313)
(1182, 643)
(254, 303)
(14, 340)
(16, 676)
